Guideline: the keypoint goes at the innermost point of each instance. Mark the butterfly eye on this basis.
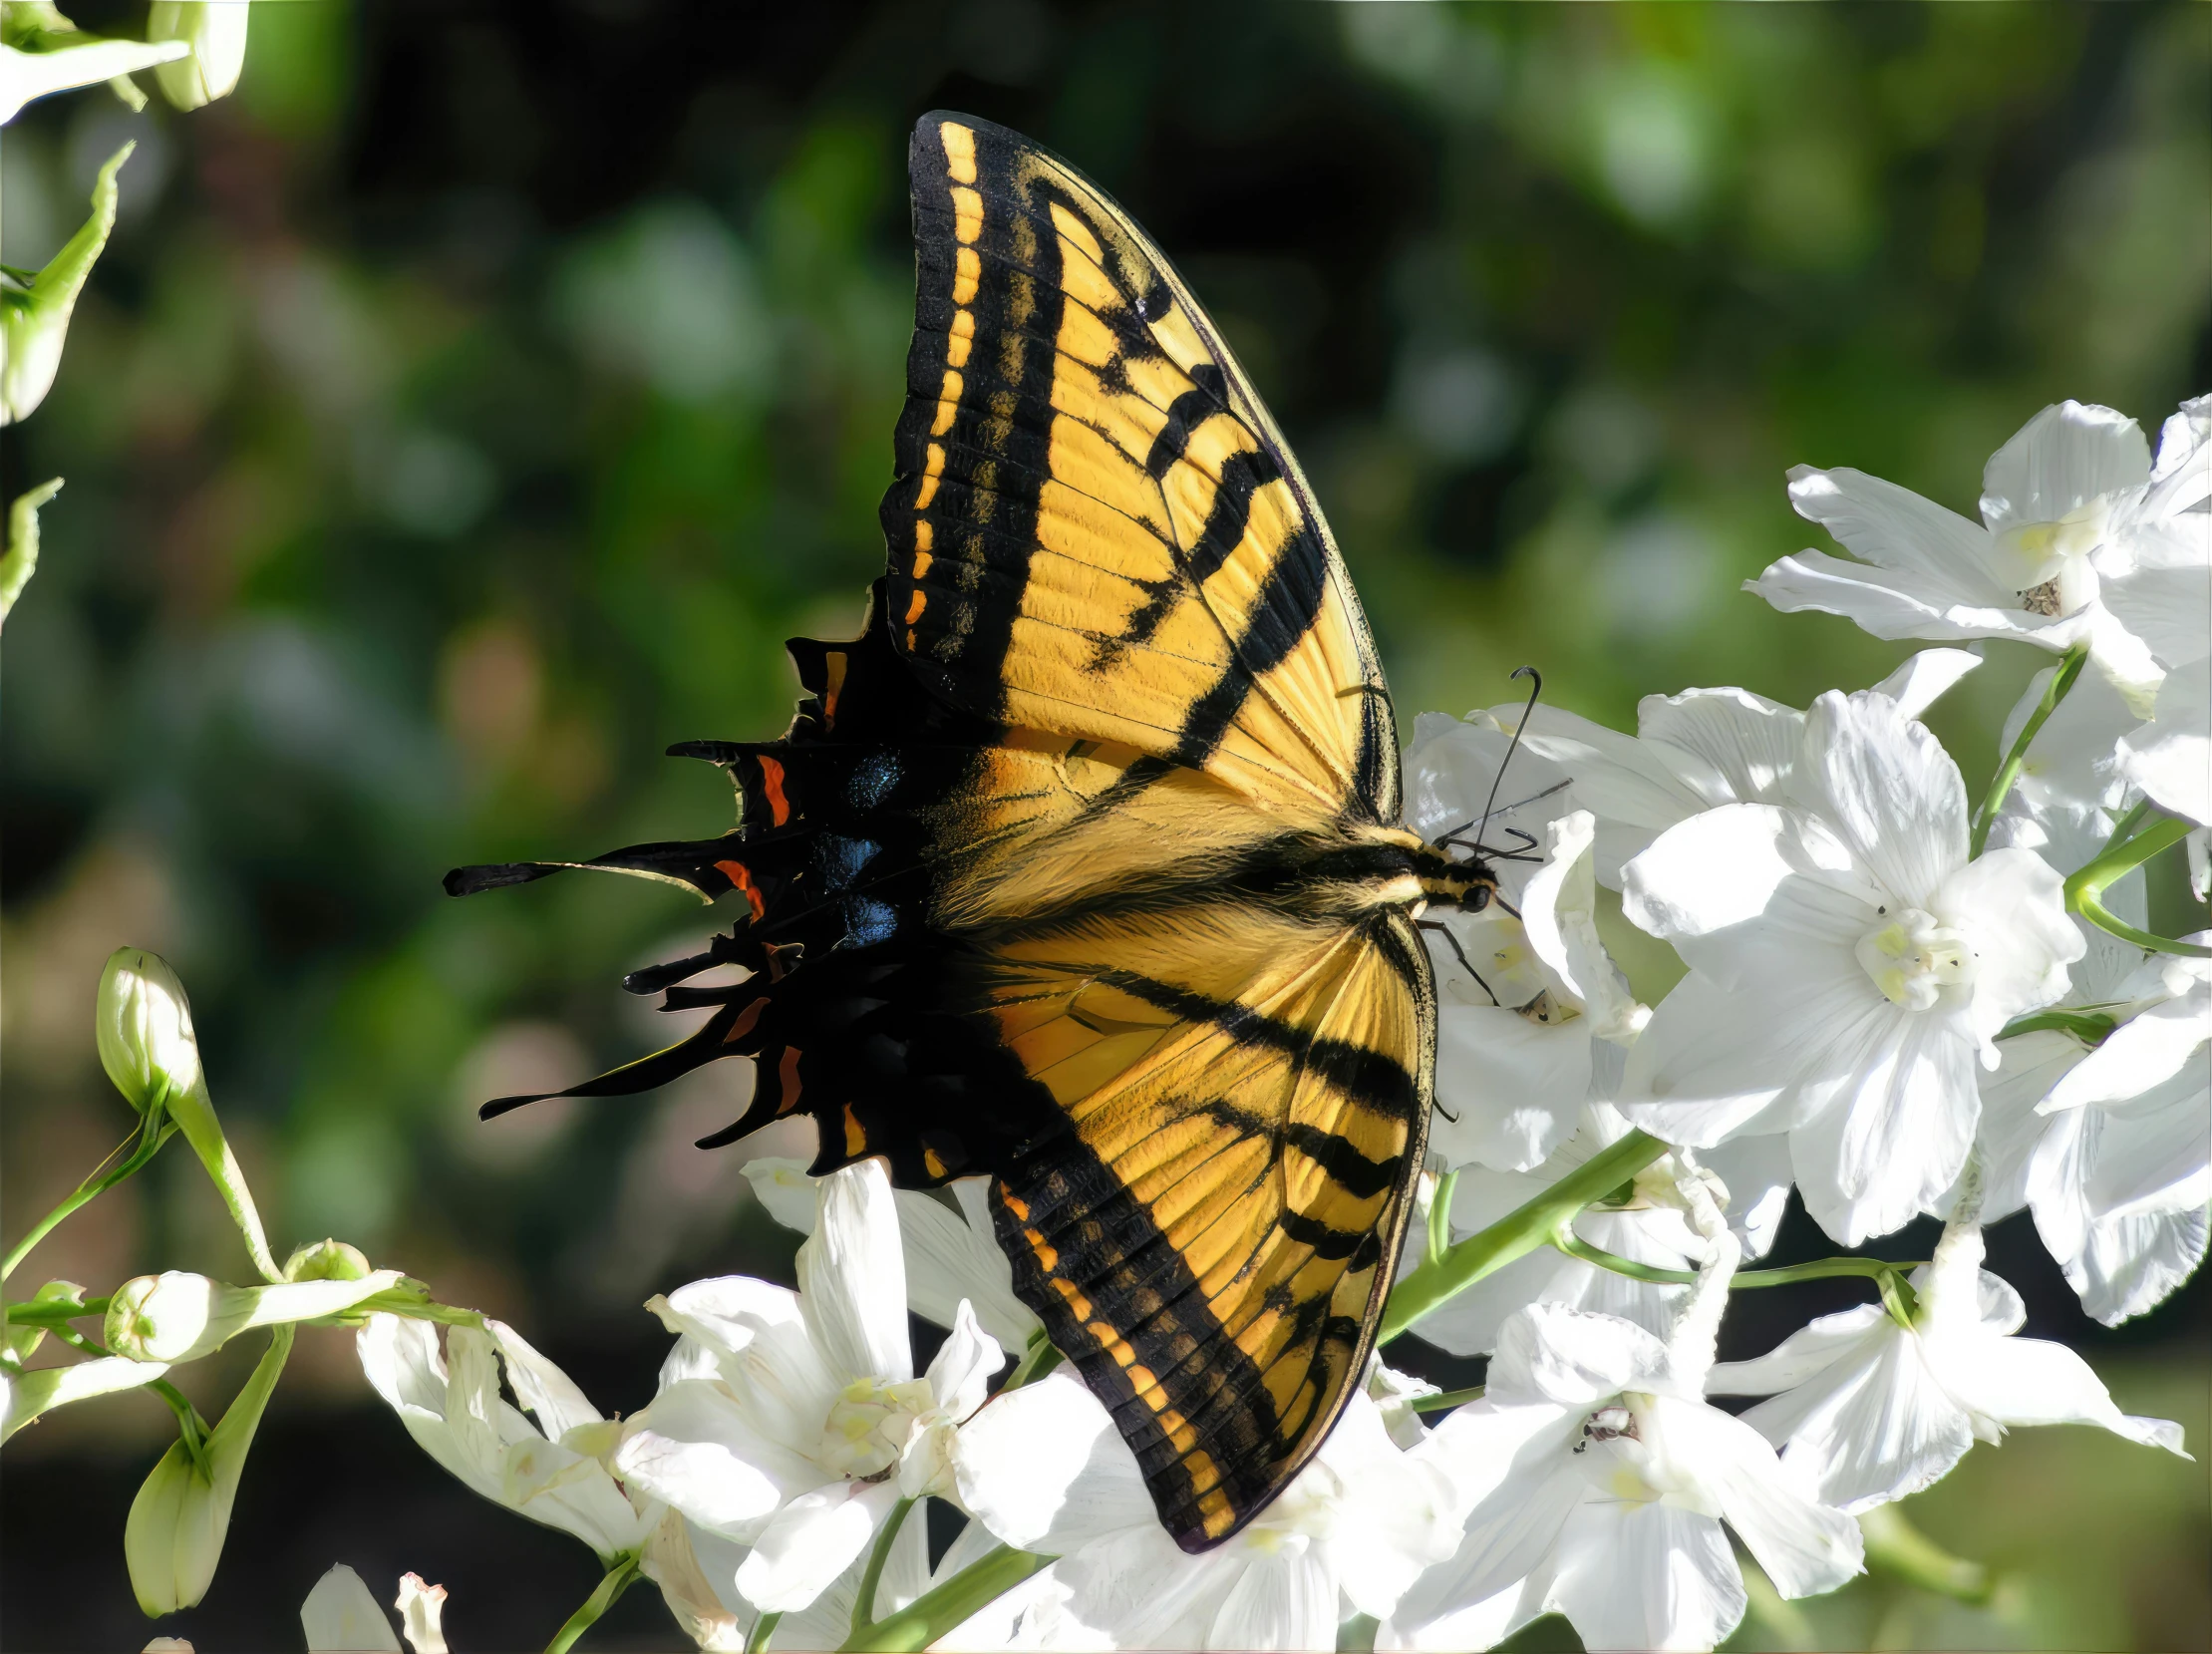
(1478, 898)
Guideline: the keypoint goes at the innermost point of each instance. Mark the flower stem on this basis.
(1895, 1546)
(2089, 1027)
(156, 1131)
(2008, 771)
(1817, 1270)
(1447, 1398)
(621, 1575)
(929, 1617)
(756, 1641)
(2122, 855)
(1439, 1216)
(1518, 1233)
(864, 1606)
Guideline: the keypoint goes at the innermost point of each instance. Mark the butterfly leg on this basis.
(1460, 953)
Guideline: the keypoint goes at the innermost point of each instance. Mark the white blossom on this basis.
(950, 1256)
(2171, 757)
(697, 1572)
(792, 1422)
(1693, 751)
(216, 30)
(551, 1469)
(2155, 572)
(342, 1616)
(2070, 771)
(1848, 965)
(2051, 497)
(1043, 1468)
(1872, 1411)
(1514, 1071)
(1653, 1229)
(1602, 1480)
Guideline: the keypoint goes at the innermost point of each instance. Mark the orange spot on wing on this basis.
(746, 1019)
(967, 275)
(735, 873)
(772, 782)
(786, 1077)
(914, 608)
(836, 669)
(932, 1162)
(960, 151)
(857, 1140)
(934, 468)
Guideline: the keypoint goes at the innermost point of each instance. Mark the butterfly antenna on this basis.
(1536, 688)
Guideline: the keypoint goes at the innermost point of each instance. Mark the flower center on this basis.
(1914, 957)
(2048, 562)
(868, 1426)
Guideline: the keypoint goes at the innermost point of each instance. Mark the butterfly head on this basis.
(1447, 880)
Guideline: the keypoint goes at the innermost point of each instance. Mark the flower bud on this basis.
(181, 1317)
(327, 1260)
(34, 320)
(216, 31)
(340, 1613)
(143, 1026)
(175, 1533)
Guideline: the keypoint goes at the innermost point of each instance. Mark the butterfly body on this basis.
(1080, 868)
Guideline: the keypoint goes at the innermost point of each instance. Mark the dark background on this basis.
(469, 407)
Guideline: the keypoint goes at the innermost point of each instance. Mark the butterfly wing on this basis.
(1031, 884)
(1098, 530)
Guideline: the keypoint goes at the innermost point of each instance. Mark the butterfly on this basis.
(1079, 868)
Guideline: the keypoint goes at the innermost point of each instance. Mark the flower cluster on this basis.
(1895, 1002)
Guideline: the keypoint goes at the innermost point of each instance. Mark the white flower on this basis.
(792, 1422)
(1652, 1229)
(2120, 1178)
(341, 1617)
(2170, 758)
(550, 1471)
(949, 1256)
(1043, 1468)
(1513, 1071)
(1602, 1480)
(2051, 498)
(1847, 966)
(2155, 575)
(1872, 1411)
(1695, 752)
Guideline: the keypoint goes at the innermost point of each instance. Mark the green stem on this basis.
(755, 1640)
(1439, 1216)
(929, 1617)
(1357, 1635)
(33, 1313)
(1518, 1233)
(152, 1136)
(2123, 856)
(2089, 1027)
(1818, 1269)
(1038, 1359)
(621, 1575)
(863, 1608)
(1894, 1544)
(189, 1426)
(1448, 1398)
(2008, 771)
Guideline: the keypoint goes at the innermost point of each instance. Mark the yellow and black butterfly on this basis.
(1079, 868)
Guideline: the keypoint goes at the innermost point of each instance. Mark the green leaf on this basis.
(33, 324)
(21, 559)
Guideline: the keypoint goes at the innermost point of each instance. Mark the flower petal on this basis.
(1571, 1358)
(1805, 1547)
(2069, 455)
(694, 1448)
(1925, 677)
(1043, 1468)
(541, 1387)
(1515, 1085)
(342, 1616)
(1908, 603)
(1518, 1463)
(2026, 1381)
(1645, 1576)
(1888, 1145)
(1749, 740)
(2013, 904)
(852, 1277)
(1282, 1600)
(1870, 1428)
(1887, 788)
(1898, 531)
(811, 1540)
(951, 1258)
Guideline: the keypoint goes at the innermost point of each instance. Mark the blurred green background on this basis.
(468, 408)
